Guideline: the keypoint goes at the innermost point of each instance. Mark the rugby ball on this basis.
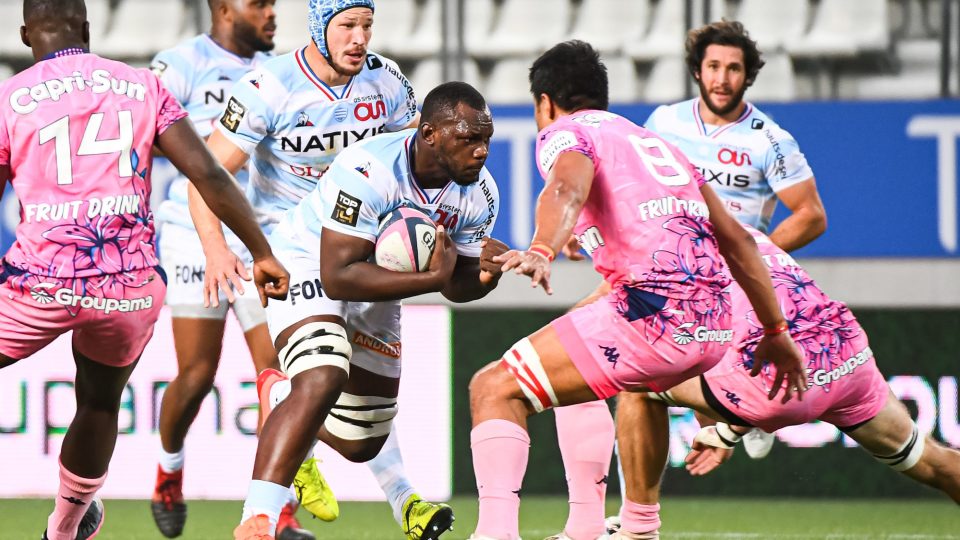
(405, 240)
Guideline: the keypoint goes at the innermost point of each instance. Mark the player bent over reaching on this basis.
(348, 397)
(656, 233)
(846, 389)
(76, 136)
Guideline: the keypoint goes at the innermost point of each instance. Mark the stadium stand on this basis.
(846, 49)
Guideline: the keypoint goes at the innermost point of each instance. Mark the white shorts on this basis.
(373, 328)
(181, 256)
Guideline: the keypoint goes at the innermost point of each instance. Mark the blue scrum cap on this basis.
(321, 12)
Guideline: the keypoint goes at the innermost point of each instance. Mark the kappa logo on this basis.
(611, 354)
(700, 334)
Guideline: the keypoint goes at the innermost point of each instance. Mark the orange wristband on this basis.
(779, 328)
(543, 250)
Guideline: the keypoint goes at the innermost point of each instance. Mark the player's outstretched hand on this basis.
(788, 360)
(271, 278)
(704, 457)
(224, 272)
(571, 250)
(527, 263)
(490, 269)
(444, 257)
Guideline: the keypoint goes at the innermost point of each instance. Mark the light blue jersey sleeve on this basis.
(352, 204)
(784, 164)
(248, 117)
(403, 101)
(175, 72)
(651, 122)
(480, 221)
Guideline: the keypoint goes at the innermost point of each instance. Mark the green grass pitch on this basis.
(684, 518)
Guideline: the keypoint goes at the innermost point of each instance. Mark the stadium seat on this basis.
(842, 28)
(608, 24)
(424, 41)
(666, 36)
(623, 79)
(772, 24)
(392, 24)
(919, 77)
(508, 82)
(477, 25)
(5, 72)
(140, 28)
(776, 82)
(10, 44)
(667, 80)
(291, 25)
(515, 35)
(429, 73)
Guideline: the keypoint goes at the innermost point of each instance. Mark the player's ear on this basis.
(85, 33)
(23, 36)
(427, 132)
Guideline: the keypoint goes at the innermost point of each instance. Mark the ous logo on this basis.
(41, 293)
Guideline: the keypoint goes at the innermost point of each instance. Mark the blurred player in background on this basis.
(199, 73)
(76, 138)
(846, 389)
(656, 232)
(290, 117)
(437, 168)
(751, 163)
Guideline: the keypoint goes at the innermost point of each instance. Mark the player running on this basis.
(76, 136)
(199, 73)
(846, 390)
(751, 163)
(656, 232)
(346, 394)
(291, 117)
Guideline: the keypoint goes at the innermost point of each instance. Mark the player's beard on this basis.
(346, 72)
(247, 33)
(734, 102)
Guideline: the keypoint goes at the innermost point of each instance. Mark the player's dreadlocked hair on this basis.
(443, 99)
(723, 33)
(572, 74)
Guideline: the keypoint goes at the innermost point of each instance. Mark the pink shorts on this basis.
(111, 316)
(632, 339)
(845, 388)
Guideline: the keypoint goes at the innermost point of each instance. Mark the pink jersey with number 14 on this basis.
(77, 132)
(644, 223)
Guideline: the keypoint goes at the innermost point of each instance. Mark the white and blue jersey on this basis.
(366, 182)
(199, 73)
(292, 124)
(746, 162)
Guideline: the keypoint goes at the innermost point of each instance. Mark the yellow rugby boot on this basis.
(424, 520)
(314, 492)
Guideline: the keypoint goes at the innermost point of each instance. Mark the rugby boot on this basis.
(167, 506)
(314, 492)
(424, 520)
(91, 522)
(288, 528)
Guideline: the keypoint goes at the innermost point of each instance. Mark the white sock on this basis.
(388, 468)
(265, 498)
(279, 392)
(171, 463)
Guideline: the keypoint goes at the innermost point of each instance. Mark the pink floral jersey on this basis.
(821, 326)
(644, 223)
(77, 133)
